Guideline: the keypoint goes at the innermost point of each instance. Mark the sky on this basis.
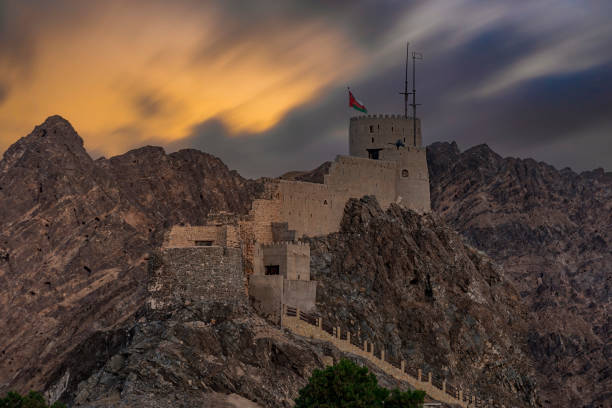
(262, 83)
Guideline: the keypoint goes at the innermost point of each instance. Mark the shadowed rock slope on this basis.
(552, 232)
(74, 237)
(408, 282)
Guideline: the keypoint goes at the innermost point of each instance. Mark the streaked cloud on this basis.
(263, 82)
(145, 66)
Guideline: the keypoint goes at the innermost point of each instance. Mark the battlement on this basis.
(285, 243)
(381, 116)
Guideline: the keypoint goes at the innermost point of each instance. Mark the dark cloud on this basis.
(307, 136)
(530, 78)
(149, 104)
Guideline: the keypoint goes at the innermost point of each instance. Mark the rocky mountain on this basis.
(77, 237)
(409, 282)
(74, 238)
(551, 231)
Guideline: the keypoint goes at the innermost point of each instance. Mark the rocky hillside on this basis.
(74, 237)
(552, 232)
(409, 282)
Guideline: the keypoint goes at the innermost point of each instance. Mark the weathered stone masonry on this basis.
(386, 160)
(197, 274)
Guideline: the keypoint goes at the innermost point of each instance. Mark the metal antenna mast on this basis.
(415, 56)
(405, 93)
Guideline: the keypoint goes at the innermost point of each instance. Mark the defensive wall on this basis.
(268, 293)
(203, 235)
(292, 259)
(197, 274)
(311, 326)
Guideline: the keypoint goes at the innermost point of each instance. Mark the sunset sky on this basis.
(262, 84)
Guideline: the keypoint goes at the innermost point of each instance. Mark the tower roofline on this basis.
(381, 116)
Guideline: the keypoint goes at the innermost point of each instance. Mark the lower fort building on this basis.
(386, 159)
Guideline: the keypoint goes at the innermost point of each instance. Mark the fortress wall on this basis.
(300, 294)
(355, 177)
(383, 129)
(197, 274)
(264, 212)
(412, 177)
(266, 295)
(186, 236)
(316, 209)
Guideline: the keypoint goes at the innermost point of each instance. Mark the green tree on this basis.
(32, 400)
(347, 385)
(405, 399)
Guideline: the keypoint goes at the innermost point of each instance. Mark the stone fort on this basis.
(386, 159)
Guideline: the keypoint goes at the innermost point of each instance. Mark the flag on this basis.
(354, 103)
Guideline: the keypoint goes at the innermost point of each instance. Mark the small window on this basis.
(372, 140)
(272, 270)
(404, 173)
(371, 129)
(324, 202)
(404, 140)
(203, 243)
(392, 128)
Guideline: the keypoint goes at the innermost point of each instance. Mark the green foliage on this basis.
(347, 385)
(405, 399)
(32, 400)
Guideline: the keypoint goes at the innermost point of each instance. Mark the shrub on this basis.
(347, 385)
(32, 400)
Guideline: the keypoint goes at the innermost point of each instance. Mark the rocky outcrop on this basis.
(313, 176)
(408, 282)
(552, 232)
(74, 238)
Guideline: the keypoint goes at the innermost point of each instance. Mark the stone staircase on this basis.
(311, 326)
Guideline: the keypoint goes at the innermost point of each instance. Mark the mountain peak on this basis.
(54, 140)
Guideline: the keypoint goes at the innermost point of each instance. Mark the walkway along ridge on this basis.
(311, 326)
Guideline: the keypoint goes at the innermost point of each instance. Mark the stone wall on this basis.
(300, 294)
(313, 209)
(266, 295)
(377, 131)
(293, 259)
(195, 275)
(412, 179)
(187, 236)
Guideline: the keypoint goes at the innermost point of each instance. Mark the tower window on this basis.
(371, 129)
(272, 269)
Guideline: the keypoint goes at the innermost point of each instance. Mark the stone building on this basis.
(386, 159)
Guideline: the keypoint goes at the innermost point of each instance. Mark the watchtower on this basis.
(393, 138)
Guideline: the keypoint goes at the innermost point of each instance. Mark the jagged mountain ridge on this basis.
(552, 232)
(410, 283)
(75, 234)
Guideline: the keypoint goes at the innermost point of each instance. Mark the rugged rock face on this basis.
(208, 349)
(74, 237)
(552, 232)
(313, 176)
(409, 282)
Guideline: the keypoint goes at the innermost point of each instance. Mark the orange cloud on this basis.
(125, 74)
